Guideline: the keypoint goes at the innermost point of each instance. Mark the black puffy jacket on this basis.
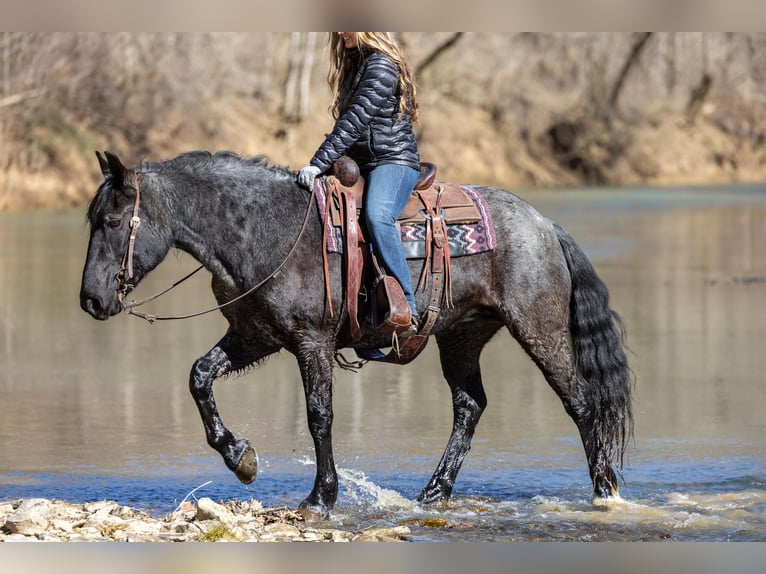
(369, 129)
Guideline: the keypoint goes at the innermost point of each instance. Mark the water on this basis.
(95, 410)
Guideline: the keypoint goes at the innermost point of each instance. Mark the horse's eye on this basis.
(114, 222)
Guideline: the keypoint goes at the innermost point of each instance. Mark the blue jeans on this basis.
(388, 188)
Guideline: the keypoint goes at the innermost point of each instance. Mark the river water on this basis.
(94, 410)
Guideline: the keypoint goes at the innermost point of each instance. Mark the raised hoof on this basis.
(247, 467)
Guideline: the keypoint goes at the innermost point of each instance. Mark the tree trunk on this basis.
(697, 98)
(632, 59)
(308, 65)
(670, 63)
(288, 110)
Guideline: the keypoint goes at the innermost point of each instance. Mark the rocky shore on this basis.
(39, 519)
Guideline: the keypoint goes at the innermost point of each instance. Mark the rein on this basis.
(127, 263)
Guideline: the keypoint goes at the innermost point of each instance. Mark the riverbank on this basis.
(39, 519)
(660, 152)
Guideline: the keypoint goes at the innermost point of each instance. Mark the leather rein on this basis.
(126, 267)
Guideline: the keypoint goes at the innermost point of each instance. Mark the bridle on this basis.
(123, 287)
(126, 270)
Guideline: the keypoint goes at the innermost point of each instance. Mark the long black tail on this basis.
(598, 337)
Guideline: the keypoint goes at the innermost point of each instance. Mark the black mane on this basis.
(198, 163)
(203, 161)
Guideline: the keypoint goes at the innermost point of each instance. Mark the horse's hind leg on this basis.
(228, 355)
(551, 350)
(459, 351)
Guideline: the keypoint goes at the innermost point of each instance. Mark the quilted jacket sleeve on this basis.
(375, 93)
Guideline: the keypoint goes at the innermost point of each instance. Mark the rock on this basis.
(362, 537)
(336, 535)
(62, 525)
(5, 510)
(30, 518)
(179, 527)
(209, 510)
(101, 507)
(33, 520)
(393, 532)
(312, 535)
(20, 538)
(45, 537)
(142, 528)
(280, 530)
(103, 522)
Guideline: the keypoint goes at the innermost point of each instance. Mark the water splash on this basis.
(362, 491)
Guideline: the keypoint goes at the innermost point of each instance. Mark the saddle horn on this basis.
(346, 170)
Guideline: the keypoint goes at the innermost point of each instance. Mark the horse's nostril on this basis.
(91, 305)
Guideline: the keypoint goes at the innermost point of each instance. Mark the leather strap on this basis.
(352, 250)
(127, 259)
(353, 261)
(436, 265)
(438, 261)
(325, 228)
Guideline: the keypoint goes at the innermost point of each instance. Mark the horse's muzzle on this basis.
(98, 309)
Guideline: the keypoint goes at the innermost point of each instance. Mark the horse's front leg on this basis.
(226, 356)
(316, 367)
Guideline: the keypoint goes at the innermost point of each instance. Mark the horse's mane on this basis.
(203, 161)
(198, 163)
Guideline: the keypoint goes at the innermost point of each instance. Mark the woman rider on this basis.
(374, 106)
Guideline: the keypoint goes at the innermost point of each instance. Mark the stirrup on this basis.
(412, 329)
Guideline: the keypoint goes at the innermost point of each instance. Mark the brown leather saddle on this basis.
(433, 204)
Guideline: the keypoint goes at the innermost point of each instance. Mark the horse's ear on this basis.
(115, 167)
(104, 165)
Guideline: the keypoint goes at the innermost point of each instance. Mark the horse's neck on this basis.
(231, 232)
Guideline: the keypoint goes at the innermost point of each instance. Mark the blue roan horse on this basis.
(242, 219)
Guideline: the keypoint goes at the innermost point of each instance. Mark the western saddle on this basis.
(434, 204)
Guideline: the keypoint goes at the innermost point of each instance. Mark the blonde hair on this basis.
(384, 42)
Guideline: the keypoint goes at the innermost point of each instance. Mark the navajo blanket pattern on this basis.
(464, 238)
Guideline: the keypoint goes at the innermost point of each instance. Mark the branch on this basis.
(20, 97)
(437, 52)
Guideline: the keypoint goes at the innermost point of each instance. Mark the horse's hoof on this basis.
(439, 492)
(247, 467)
(608, 502)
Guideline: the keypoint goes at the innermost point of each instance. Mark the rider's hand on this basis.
(307, 175)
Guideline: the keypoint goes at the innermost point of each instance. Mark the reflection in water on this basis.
(101, 410)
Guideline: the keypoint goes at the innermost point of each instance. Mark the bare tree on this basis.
(700, 92)
(639, 45)
(670, 62)
(297, 87)
(307, 67)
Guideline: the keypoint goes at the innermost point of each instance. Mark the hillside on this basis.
(512, 110)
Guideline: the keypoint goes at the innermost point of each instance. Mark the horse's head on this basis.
(119, 255)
